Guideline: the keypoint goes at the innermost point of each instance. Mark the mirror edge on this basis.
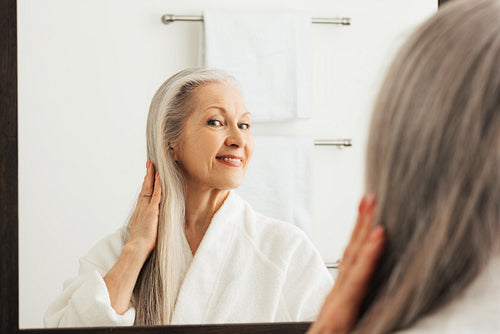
(249, 328)
(8, 169)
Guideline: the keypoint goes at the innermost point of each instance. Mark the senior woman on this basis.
(433, 162)
(193, 251)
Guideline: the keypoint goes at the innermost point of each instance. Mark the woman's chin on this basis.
(229, 184)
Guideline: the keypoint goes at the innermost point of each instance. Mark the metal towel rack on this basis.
(333, 265)
(333, 142)
(169, 18)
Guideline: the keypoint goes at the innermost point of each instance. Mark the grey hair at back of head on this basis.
(433, 162)
(158, 284)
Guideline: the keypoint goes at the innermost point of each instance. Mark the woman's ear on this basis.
(173, 151)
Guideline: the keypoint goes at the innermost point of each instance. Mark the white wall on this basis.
(87, 72)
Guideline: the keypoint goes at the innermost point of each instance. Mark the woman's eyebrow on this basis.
(221, 109)
(246, 114)
(224, 111)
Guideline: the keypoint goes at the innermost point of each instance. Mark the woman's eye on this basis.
(214, 122)
(244, 126)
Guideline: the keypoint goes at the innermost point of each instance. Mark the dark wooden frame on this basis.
(9, 288)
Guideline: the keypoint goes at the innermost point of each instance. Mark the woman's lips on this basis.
(230, 160)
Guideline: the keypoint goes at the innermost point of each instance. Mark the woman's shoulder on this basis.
(273, 237)
(258, 225)
(285, 231)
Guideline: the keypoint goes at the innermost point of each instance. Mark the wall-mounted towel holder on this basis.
(333, 142)
(333, 265)
(169, 18)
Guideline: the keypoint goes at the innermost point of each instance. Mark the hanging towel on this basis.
(269, 53)
(279, 181)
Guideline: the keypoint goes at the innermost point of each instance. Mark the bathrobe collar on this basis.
(208, 262)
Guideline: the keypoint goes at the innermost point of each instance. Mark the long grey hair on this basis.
(433, 161)
(159, 281)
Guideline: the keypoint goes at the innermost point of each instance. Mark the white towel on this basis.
(270, 54)
(279, 181)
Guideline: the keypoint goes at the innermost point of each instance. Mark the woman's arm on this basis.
(121, 278)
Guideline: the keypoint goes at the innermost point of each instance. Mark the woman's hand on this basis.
(339, 313)
(144, 220)
(121, 278)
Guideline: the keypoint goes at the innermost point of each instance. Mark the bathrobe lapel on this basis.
(208, 262)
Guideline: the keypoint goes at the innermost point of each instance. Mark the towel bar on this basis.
(333, 142)
(169, 18)
(334, 265)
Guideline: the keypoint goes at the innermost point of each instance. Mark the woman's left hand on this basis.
(340, 310)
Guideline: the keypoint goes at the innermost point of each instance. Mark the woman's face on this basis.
(216, 143)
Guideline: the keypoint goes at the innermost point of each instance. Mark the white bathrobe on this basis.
(248, 268)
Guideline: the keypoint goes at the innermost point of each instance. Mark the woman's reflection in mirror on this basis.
(193, 251)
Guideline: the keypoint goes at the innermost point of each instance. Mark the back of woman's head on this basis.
(159, 281)
(433, 162)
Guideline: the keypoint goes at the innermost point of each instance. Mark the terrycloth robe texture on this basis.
(248, 268)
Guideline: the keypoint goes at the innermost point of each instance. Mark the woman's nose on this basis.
(235, 137)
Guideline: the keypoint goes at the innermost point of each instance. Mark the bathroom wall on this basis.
(87, 72)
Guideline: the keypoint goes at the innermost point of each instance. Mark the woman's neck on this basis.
(201, 206)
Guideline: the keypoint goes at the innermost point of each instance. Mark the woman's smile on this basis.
(230, 160)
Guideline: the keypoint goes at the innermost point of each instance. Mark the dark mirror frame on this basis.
(9, 288)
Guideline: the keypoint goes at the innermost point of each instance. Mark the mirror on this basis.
(75, 65)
